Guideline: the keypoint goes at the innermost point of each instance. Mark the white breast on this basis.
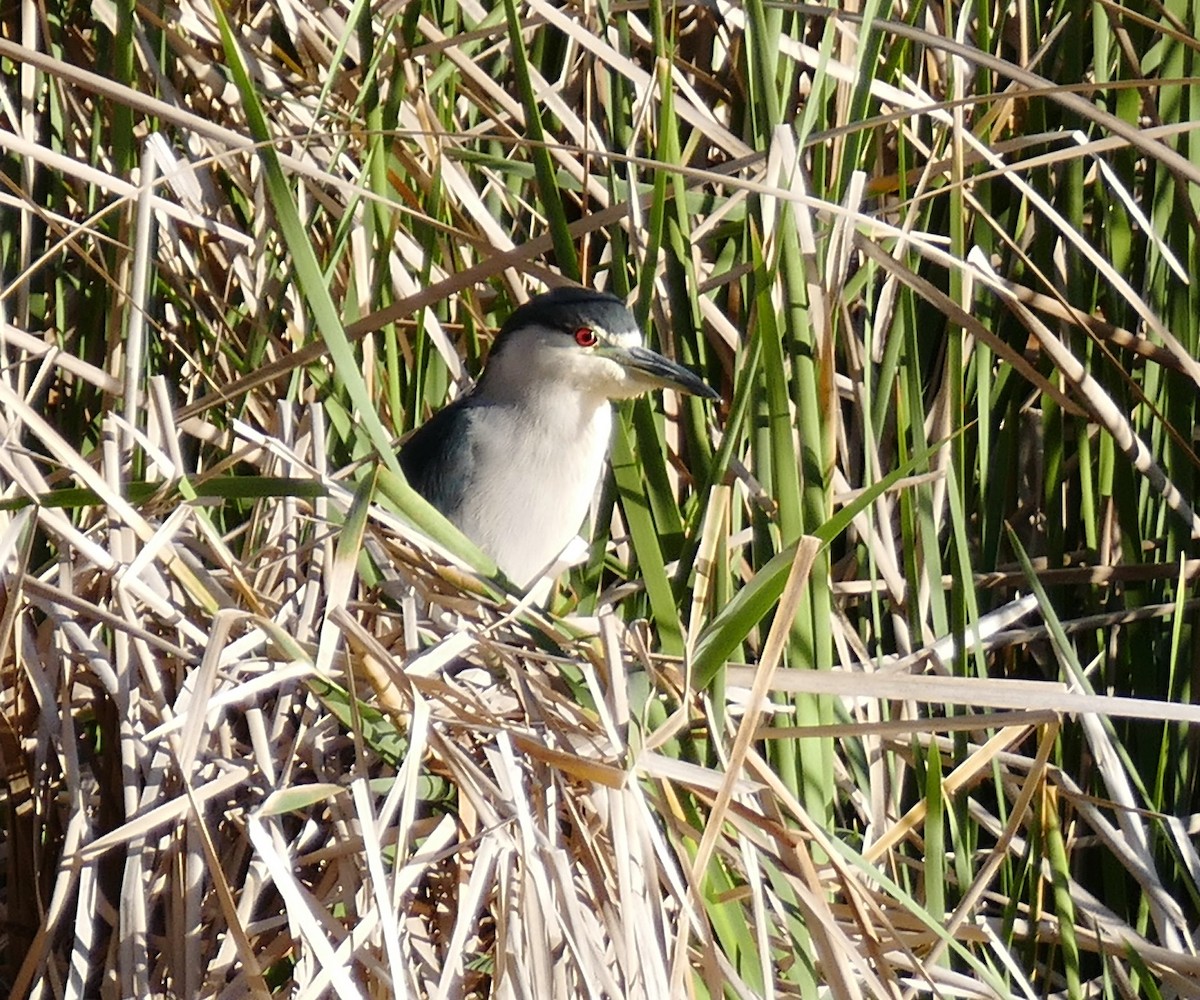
(541, 463)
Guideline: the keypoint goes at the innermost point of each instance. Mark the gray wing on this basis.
(436, 460)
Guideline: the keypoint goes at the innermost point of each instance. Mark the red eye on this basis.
(586, 337)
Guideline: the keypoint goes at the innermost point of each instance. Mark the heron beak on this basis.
(659, 371)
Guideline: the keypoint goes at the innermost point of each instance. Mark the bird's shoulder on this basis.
(436, 457)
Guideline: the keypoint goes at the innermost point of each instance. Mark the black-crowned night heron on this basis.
(515, 462)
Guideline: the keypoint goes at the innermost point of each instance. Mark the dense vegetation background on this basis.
(878, 677)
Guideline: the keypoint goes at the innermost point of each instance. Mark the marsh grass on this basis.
(877, 678)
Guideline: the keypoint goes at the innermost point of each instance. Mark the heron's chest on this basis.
(539, 468)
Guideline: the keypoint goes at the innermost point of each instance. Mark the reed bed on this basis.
(874, 680)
